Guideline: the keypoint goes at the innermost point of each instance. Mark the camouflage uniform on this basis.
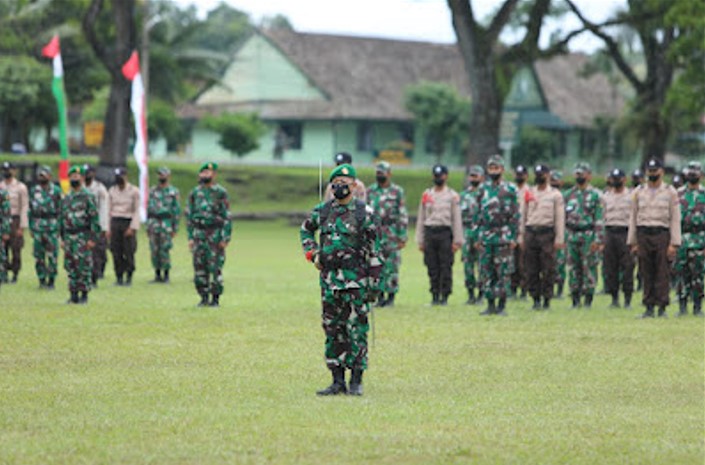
(163, 210)
(583, 218)
(389, 205)
(497, 224)
(78, 224)
(690, 258)
(208, 223)
(350, 276)
(469, 211)
(5, 230)
(44, 209)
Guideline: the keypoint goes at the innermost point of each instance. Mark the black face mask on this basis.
(636, 183)
(439, 181)
(654, 177)
(163, 180)
(43, 181)
(6, 174)
(119, 180)
(540, 180)
(581, 180)
(494, 176)
(692, 179)
(75, 183)
(89, 179)
(381, 179)
(204, 180)
(618, 184)
(341, 191)
(474, 183)
(520, 179)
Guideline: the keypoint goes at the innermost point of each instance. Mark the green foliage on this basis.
(98, 105)
(535, 145)
(239, 133)
(439, 110)
(164, 122)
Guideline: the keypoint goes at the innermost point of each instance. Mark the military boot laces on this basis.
(337, 386)
(356, 382)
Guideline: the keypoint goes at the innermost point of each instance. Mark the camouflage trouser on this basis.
(583, 263)
(390, 271)
(160, 243)
(690, 272)
(496, 268)
(46, 252)
(208, 261)
(345, 324)
(560, 267)
(470, 259)
(78, 262)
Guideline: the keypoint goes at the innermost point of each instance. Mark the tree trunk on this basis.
(117, 124)
(485, 114)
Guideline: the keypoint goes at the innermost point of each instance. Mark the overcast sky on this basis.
(424, 20)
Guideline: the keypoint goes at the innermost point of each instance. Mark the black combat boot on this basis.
(649, 313)
(615, 300)
(380, 300)
(389, 301)
(443, 300)
(559, 290)
(73, 299)
(165, 277)
(662, 312)
(501, 303)
(50, 284)
(356, 382)
(537, 303)
(588, 301)
(490, 310)
(682, 307)
(215, 300)
(471, 296)
(338, 385)
(698, 306)
(204, 300)
(576, 301)
(14, 278)
(546, 303)
(84, 298)
(119, 280)
(128, 279)
(436, 299)
(523, 294)
(42, 283)
(157, 276)
(627, 301)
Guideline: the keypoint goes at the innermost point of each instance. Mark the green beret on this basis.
(496, 160)
(384, 167)
(582, 167)
(77, 169)
(343, 170)
(209, 166)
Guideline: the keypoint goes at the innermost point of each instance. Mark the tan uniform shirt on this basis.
(359, 191)
(125, 203)
(98, 189)
(543, 208)
(617, 207)
(521, 192)
(439, 208)
(655, 207)
(19, 200)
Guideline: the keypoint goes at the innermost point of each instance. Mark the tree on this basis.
(439, 110)
(119, 27)
(239, 133)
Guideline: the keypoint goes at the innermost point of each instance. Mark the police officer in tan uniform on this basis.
(439, 233)
(359, 191)
(655, 235)
(19, 210)
(617, 261)
(519, 280)
(541, 234)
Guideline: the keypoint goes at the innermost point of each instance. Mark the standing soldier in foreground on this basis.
(359, 191)
(617, 261)
(209, 230)
(79, 228)
(542, 233)
(124, 211)
(498, 228)
(584, 223)
(163, 210)
(469, 209)
(348, 260)
(19, 208)
(389, 204)
(655, 235)
(5, 230)
(439, 233)
(98, 189)
(519, 280)
(690, 261)
(44, 209)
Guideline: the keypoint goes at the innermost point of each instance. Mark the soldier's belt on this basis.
(437, 228)
(617, 229)
(695, 228)
(160, 216)
(77, 230)
(579, 228)
(44, 216)
(208, 227)
(540, 229)
(651, 230)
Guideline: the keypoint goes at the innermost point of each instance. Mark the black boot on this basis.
(546, 303)
(84, 298)
(698, 306)
(662, 312)
(204, 300)
(389, 301)
(119, 281)
(471, 296)
(157, 276)
(215, 300)
(338, 385)
(14, 278)
(576, 301)
(523, 294)
(649, 313)
(627, 301)
(537, 304)
(42, 283)
(436, 299)
(682, 307)
(559, 290)
(615, 300)
(380, 300)
(356, 382)
(443, 300)
(490, 310)
(588, 301)
(165, 277)
(500, 306)
(128, 280)
(50, 284)
(73, 299)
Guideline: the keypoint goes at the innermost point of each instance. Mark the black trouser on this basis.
(99, 256)
(540, 261)
(122, 247)
(654, 266)
(438, 258)
(14, 247)
(617, 260)
(519, 277)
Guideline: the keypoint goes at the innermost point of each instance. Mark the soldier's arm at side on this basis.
(307, 235)
(420, 218)
(559, 226)
(226, 217)
(631, 232)
(403, 219)
(457, 224)
(135, 218)
(24, 208)
(675, 224)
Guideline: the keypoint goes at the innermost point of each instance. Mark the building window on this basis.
(292, 131)
(406, 133)
(365, 137)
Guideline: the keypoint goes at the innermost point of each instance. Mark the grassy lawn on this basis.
(141, 375)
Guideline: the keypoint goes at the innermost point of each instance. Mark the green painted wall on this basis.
(524, 91)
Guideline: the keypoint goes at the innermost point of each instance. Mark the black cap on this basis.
(654, 164)
(342, 158)
(7, 165)
(617, 173)
(520, 169)
(637, 173)
(88, 168)
(541, 169)
(120, 171)
(439, 170)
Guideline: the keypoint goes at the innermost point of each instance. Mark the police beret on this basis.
(496, 160)
(694, 166)
(163, 170)
(582, 167)
(343, 170)
(439, 170)
(617, 173)
(384, 167)
(541, 169)
(120, 171)
(44, 169)
(520, 169)
(77, 169)
(343, 157)
(476, 170)
(654, 164)
(556, 175)
(209, 165)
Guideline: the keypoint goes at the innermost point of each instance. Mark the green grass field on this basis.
(141, 375)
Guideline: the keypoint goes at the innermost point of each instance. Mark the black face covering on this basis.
(636, 183)
(474, 183)
(520, 179)
(581, 180)
(6, 174)
(163, 180)
(340, 191)
(692, 179)
(381, 179)
(89, 179)
(618, 184)
(205, 180)
(43, 181)
(119, 180)
(439, 181)
(654, 177)
(75, 182)
(540, 179)
(494, 176)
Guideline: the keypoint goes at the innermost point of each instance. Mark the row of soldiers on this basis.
(91, 216)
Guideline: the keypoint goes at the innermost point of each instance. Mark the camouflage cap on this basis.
(694, 166)
(582, 167)
(556, 175)
(383, 167)
(77, 169)
(44, 169)
(209, 165)
(163, 170)
(343, 170)
(476, 170)
(496, 160)
(343, 158)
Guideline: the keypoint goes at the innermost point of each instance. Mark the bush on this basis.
(239, 133)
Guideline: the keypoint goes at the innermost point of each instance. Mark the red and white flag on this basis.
(131, 70)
